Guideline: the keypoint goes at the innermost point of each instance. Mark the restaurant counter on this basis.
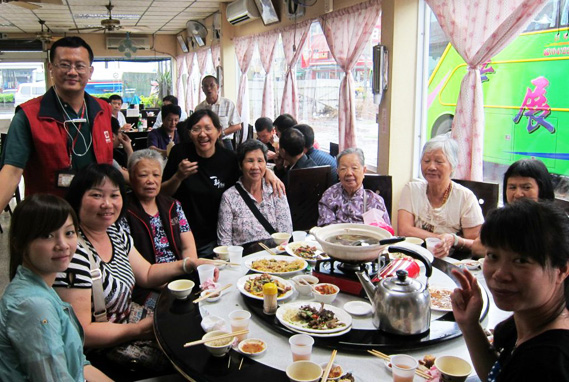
(178, 321)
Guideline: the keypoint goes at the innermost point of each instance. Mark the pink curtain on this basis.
(180, 61)
(244, 49)
(216, 55)
(202, 65)
(478, 30)
(266, 44)
(190, 105)
(347, 32)
(293, 41)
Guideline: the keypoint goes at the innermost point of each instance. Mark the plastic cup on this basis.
(301, 347)
(298, 236)
(403, 367)
(239, 320)
(432, 242)
(235, 253)
(206, 272)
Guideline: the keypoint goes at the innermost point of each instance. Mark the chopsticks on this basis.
(329, 366)
(220, 337)
(219, 262)
(267, 249)
(211, 293)
(385, 357)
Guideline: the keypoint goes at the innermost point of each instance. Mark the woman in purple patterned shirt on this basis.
(347, 201)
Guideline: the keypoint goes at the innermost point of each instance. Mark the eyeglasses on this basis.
(197, 130)
(79, 68)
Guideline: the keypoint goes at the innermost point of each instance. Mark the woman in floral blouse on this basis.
(236, 222)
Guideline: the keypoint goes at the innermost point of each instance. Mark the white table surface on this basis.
(364, 366)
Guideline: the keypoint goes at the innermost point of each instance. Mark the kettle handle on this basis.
(414, 251)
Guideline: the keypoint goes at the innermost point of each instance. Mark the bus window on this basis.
(525, 104)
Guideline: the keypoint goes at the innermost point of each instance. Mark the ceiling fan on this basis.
(196, 31)
(45, 35)
(31, 4)
(107, 25)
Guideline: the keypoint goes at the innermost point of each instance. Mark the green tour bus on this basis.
(526, 94)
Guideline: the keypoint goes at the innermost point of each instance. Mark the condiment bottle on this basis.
(270, 298)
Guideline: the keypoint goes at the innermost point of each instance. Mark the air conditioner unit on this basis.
(113, 42)
(241, 11)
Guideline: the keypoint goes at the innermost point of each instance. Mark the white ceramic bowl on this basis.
(304, 371)
(252, 346)
(218, 349)
(281, 237)
(222, 252)
(335, 368)
(326, 298)
(303, 288)
(181, 289)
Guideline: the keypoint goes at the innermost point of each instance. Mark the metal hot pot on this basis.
(353, 254)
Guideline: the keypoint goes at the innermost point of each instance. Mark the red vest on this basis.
(50, 152)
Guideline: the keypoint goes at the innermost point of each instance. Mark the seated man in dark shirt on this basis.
(292, 151)
(318, 156)
(166, 136)
(283, 122)
(265, 134)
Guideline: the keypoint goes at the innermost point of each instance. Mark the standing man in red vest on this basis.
(53, 136)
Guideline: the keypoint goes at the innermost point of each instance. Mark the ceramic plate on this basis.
(287, 311)
(276, 265)
(440, 298)
(292, 247)
(241, 287)
(357, 308)
(323, 335)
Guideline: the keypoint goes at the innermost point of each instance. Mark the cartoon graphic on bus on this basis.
(525, 94)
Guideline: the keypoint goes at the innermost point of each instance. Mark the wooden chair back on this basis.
(487, 193)
(562, 203)
(139, 143)
(381, 185)
(305, 188)
(334, 149)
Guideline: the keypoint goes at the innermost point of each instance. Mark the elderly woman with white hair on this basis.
(347, 201)
(440, 207)
(156, 222)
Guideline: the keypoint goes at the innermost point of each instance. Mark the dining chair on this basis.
(334, 149)
(381, 185)
(140, 143)
(305, 188)
(487, 193)
(563, 204)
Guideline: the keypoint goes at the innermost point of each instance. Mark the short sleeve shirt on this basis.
(118, 277)
(461, 209)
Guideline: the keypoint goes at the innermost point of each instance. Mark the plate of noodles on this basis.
(276, 265)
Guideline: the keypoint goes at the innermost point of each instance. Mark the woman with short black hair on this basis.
(526, 269)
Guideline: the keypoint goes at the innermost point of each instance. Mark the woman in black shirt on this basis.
(526, 271)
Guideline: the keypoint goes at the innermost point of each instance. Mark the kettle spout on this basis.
(367, 284)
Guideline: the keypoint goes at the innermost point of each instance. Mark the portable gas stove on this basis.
(343, 274)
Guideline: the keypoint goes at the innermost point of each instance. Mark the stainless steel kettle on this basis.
(401, 304)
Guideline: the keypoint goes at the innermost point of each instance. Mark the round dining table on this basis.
(177, 322)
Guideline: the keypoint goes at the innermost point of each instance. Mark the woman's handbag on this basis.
(135, 355)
